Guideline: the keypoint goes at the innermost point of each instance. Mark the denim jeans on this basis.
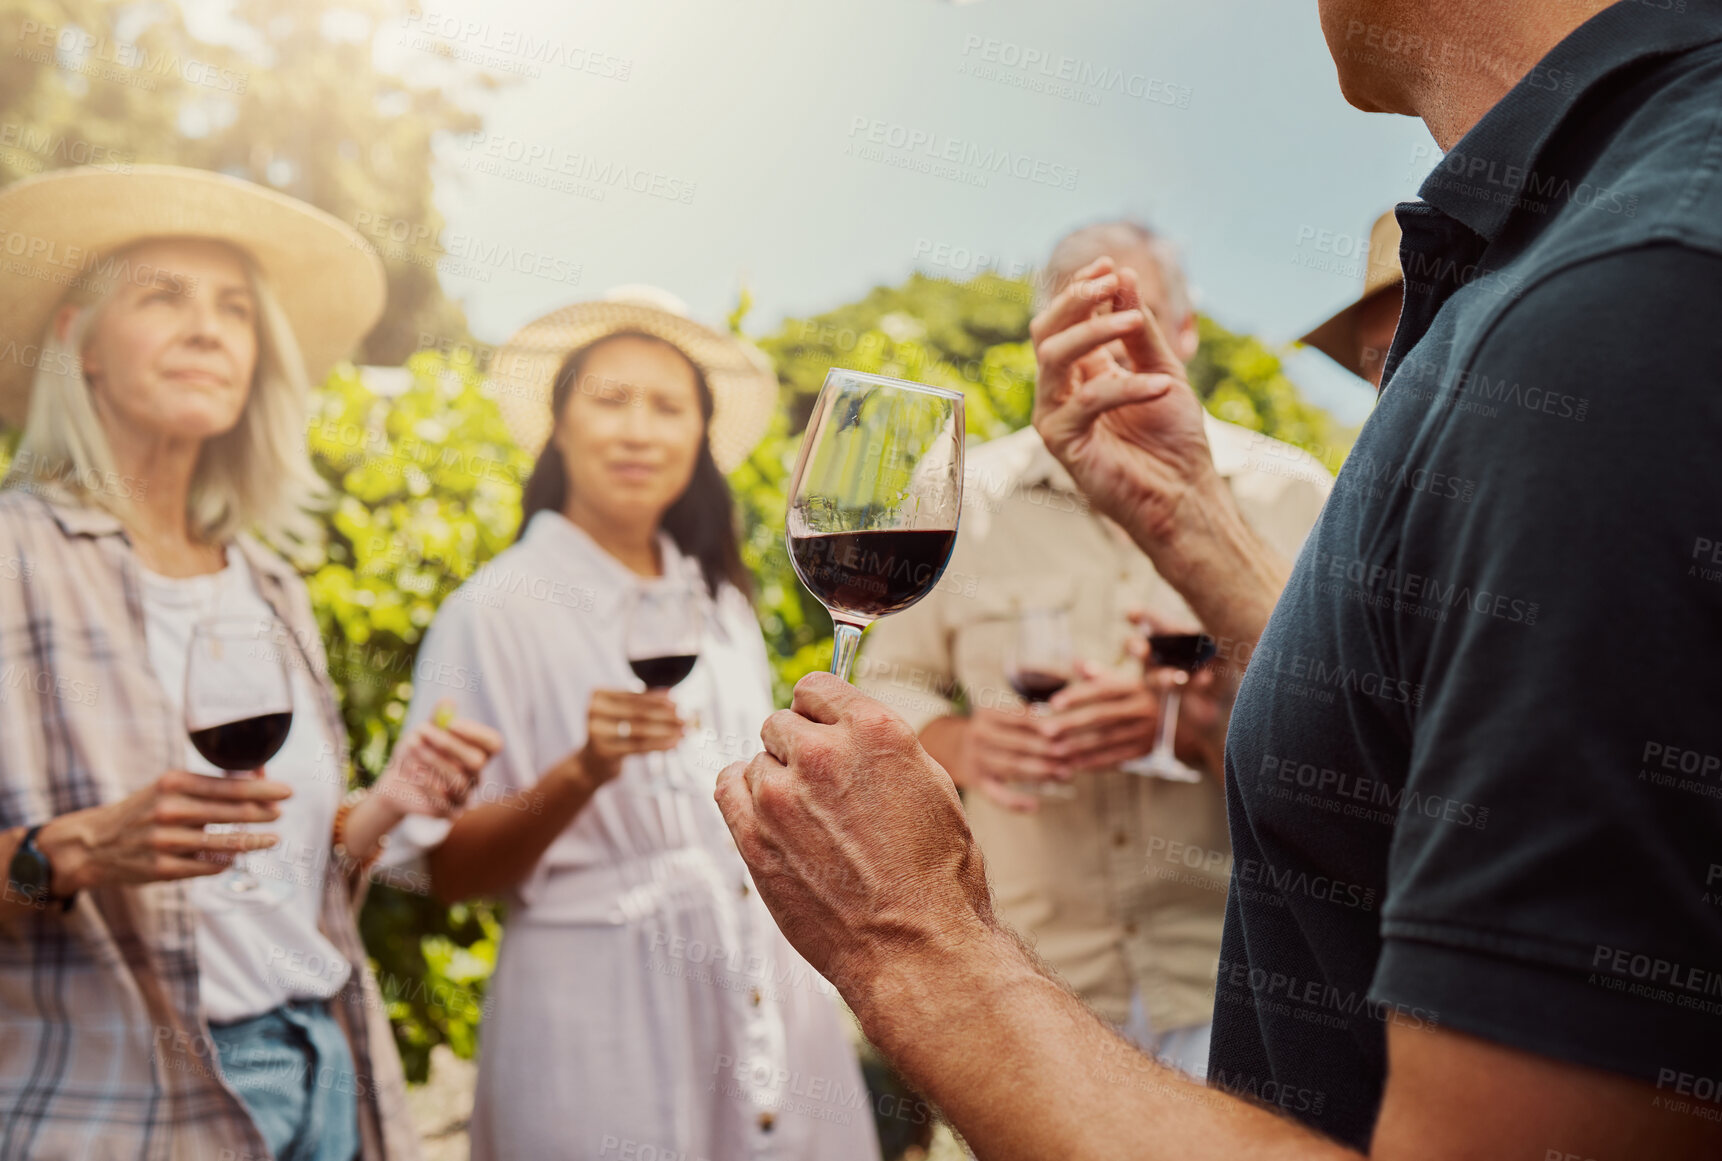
(294, 1070)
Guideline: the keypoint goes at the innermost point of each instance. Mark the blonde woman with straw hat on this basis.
(644, 1003)
(157, 331)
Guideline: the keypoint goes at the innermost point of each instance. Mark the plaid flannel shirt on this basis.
(104, 1049)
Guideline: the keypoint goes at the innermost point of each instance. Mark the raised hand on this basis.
(1114, 405)
(436, 764)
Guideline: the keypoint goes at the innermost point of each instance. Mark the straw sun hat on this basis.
(57, 230)
(1337, 337)
(742, 381)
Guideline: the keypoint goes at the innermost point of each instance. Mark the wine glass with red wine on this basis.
(1185, 652)
(239, 711)
(1039, 663)
(665, 624)
(874, 499)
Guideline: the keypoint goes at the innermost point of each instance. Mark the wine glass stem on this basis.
(846, 638)
(1169, 723)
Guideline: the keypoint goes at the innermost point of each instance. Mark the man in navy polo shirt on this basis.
(1474, 772)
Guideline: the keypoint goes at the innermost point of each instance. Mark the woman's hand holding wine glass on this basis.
(666, 624)
(620, 722)
(157, 833)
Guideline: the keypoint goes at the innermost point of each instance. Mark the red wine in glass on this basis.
(874, 499)
(1035, 687)
(1038, 663)
(238, 713)
(663, 672)
(1187, 652)
(867, 575)
(666, 623)
(244, 744)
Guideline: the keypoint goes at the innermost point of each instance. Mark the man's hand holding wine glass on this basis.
(1094, 723)
(856, 837)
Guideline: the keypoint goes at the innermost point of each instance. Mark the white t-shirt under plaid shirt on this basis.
(253, 957)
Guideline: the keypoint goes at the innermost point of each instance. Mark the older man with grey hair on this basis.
(1118, 879)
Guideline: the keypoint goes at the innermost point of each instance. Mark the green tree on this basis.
(428, 487)
(291, 98)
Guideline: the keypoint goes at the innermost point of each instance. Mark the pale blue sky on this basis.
(767, 129)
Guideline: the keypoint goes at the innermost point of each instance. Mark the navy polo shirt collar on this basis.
(1506, 142)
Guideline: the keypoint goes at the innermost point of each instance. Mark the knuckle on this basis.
(816, 754)
(880, 725)
(773, 800)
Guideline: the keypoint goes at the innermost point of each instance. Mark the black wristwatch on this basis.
(31, 874)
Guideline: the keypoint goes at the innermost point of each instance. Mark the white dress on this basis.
(644, 1003)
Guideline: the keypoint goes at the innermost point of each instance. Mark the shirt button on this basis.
(766, 1120)
(1119, 838)
(755, 997)
(744, 891)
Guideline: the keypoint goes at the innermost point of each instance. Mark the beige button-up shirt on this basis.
(1123, 887)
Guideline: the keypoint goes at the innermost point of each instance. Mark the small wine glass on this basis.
(238, 713)
(1185, 652)
(874, 499)
(665, 624)
(1039, 663)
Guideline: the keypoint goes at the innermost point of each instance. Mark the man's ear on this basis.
(1184, 343)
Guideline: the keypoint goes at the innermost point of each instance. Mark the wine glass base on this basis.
(240, 890)
(1167, 768)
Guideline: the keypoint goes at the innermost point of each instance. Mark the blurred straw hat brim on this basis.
(1337, 337)
(741, 378)
(58, 230)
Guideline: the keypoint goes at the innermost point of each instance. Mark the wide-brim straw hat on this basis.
(1337, 338)
(741, 378)
(58, 229)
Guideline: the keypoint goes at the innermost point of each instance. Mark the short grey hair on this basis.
(256, 477)
(1082, 246)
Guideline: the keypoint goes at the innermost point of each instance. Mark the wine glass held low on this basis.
(666, 623)
(238, 712)
(874, 499)
(1187, 653)
(1039, 662)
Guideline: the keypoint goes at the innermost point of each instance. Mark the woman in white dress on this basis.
(644, 1004)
